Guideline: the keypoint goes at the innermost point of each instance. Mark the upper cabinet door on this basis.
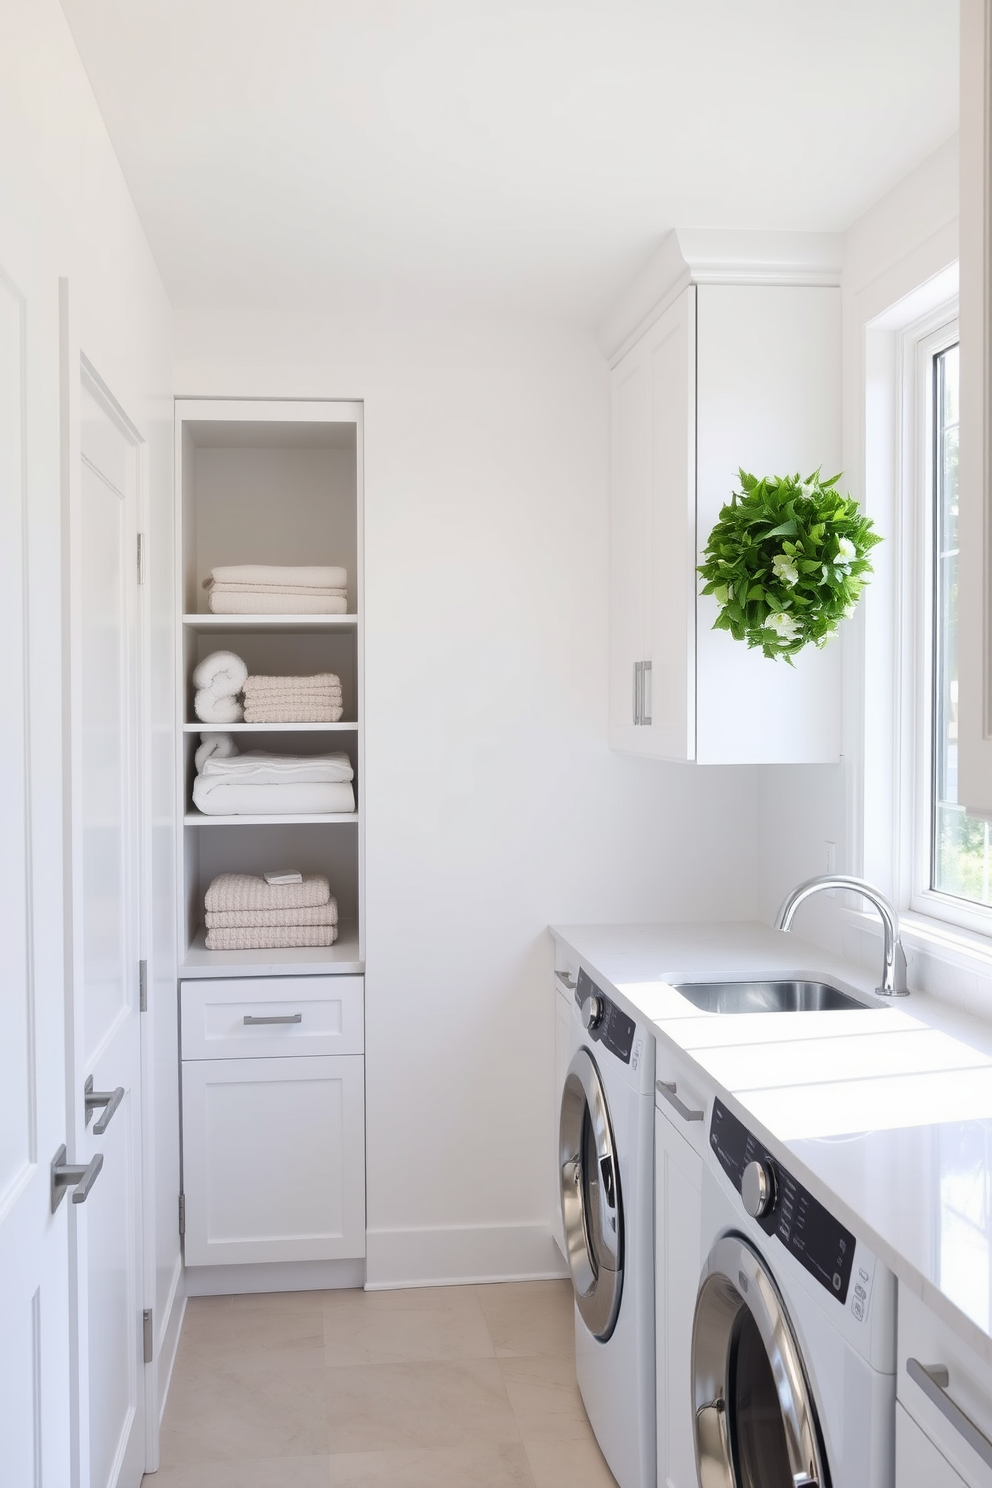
(628, 559)
(975, 460)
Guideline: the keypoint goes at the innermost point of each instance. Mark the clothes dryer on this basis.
(606, 1138)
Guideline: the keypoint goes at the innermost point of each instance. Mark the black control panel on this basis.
(818, 1241)
(613, 1028)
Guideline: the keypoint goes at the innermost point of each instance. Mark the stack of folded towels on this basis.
(315, 699)
(258, 784)
(244, 912)
(218, 680)
(269, 589)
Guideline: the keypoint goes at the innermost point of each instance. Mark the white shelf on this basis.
(269, 728)
(340, 958)
(291, 624)
(199, 819)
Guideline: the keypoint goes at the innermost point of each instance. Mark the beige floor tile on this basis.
(296, 1304)
(499, 1466)
(529, 1317)
(568, 1465)
(270, 1472)
(378, 1407)
(238, 1416)
(431, 1323)
(243, 1338)
(545, 1398)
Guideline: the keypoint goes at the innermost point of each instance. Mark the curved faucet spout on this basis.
(893, 961)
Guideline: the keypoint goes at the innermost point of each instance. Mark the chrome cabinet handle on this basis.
(275, 1018)
(645, 673)
(637, 692)
(933, 1380)
(80, 1177)
(668, 1090)
(94, 1099)
(563, 976)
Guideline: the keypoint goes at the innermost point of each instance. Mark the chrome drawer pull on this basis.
(933, 1380)
(668, 1090)
(80, 1177)
(275, 1018)
(563, 976)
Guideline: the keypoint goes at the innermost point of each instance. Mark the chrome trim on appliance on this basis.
(933, 1380)
(735, 1288)
(591, 1207)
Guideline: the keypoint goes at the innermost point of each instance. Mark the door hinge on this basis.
(141, 557)
(182, 1214)
(148, 1335)
(143, 986)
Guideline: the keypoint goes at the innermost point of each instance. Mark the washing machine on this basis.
(793, 1359)
(606, 1140)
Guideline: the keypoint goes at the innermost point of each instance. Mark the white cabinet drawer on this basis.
(678, 1094)
(959, 1403)
(265, 1017)
(918, 1463)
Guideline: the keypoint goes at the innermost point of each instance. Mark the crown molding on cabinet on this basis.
(717, 256)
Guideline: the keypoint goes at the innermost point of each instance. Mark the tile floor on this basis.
(444, 1387)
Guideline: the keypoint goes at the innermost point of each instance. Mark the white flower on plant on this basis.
(846, 552)
(785, 568)
(807, 490)
(784, 626)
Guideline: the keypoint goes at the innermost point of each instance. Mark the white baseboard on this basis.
(266, 1276)
(461, 1254)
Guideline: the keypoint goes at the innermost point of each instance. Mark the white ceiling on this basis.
(516, 155)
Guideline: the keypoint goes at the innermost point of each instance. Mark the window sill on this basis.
(968, 950)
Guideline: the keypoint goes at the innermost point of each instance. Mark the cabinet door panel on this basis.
(918, 1463)
(628, 557)
(239, 1018)
(274, 1159)
(678, 1187)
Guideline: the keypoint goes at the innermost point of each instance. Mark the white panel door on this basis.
(106, 895)
(274, 1159)
(918, 1463)
(34, 1272)
(678, 1190)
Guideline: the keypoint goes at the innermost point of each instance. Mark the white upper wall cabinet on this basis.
(744, 371)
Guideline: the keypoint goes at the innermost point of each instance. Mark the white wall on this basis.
(59, 174)
(494, 804)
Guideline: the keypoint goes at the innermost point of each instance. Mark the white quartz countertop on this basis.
(884, 1113)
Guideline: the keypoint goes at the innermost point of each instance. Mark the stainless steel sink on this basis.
(766, 997)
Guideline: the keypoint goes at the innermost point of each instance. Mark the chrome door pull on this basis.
(80, 1177)
(645, 717)
(563, 976)
(933, 1380)
(668, 1090)
(275, 1018)
(637, 692)
(94, 1099)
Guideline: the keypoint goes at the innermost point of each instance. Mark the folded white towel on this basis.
(214, 746)
(218, 797)
(256, 575)
(211, 709)
(277, 936)
(221, 673)
(258, 683)
(239, 919)
(293, 712)
(250, 891)
(256, 767)
(274, 602)
(277, 589)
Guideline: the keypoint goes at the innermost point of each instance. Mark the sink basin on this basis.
(766, 997)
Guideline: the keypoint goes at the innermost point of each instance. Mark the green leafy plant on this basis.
(787, 561)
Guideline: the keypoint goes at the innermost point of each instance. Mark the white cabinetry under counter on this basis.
(944, 1395)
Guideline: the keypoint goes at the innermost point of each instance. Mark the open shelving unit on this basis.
(277, 482)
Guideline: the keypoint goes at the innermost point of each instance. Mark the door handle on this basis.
(275, 1018)
(668, 1089)
(933, 1380)
(637, 692)
(563, 976)
(645, 717)
(80, 1177)
(94, 1099)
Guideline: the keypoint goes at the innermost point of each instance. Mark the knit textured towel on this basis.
(255, 919)
(272, 938)
(275, 602)
(243, 891)
(258, 683)
(259, 575)
(293, 713)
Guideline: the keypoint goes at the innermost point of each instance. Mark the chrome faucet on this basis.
(893, 959)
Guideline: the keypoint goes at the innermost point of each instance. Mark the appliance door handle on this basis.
(669, 1090)
(933, 1380)
(254, 1021)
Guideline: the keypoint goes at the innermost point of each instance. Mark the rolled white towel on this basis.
(211, 709)
(214, 746)
(221, 673)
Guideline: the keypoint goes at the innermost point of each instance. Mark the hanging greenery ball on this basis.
(787, 561)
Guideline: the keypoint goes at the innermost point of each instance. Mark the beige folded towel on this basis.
(293, 713)
(275, 937)
(263, 575)
(260, 683)
(275, 602)
(254, 919)
(244, 891)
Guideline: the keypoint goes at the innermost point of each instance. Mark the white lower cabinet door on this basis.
(918, 1463)
(678, 1190)
(274, 1159)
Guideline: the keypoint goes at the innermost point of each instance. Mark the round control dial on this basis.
(592, 1012)
(758, 1188)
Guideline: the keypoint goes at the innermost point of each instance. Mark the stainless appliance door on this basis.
(755, 1420)
(591, 1206)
